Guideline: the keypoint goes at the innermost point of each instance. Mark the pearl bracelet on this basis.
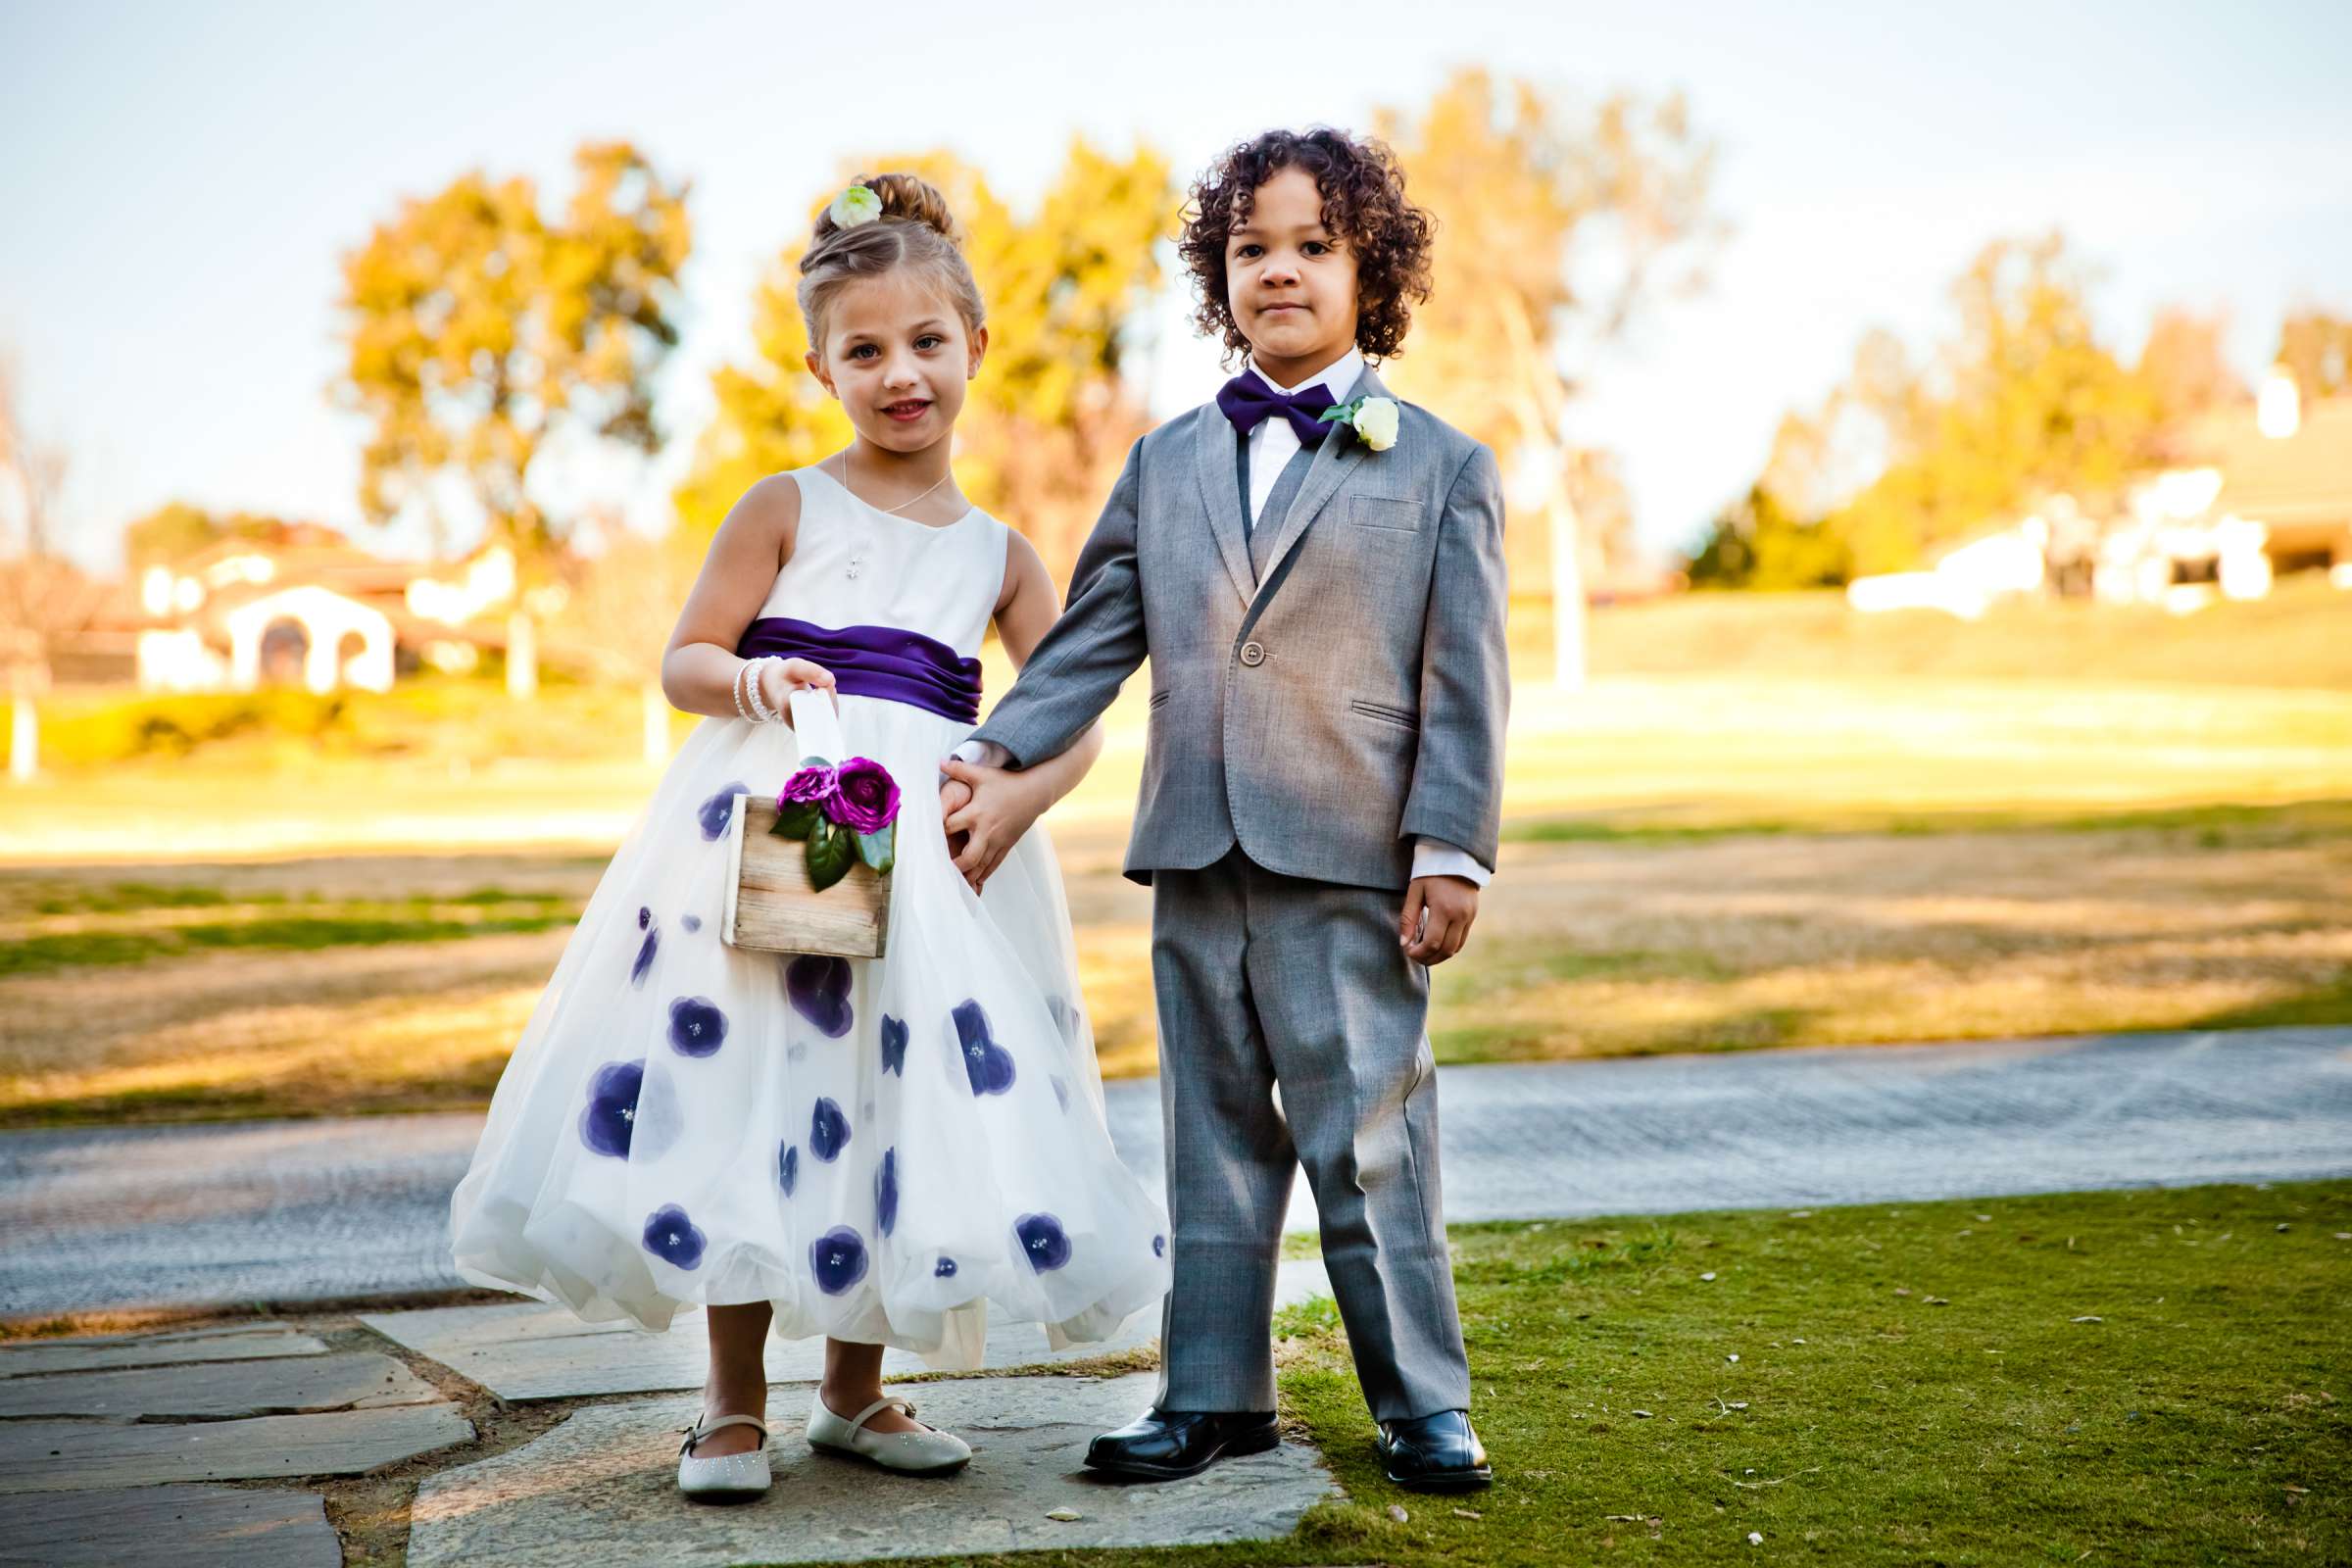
(735, 690)
(761, 711)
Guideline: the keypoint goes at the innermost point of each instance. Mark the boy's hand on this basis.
(1003, 806)
(1437, 911)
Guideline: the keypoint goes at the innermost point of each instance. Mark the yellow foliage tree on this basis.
(2022, 402)
(481, 330)
(1050, 418)
(1559, 223)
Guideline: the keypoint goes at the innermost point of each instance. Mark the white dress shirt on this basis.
(1272, 445)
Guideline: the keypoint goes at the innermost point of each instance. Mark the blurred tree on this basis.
(2185, 366)
(1757, 543)
(2317, 346)
(1050, 418)
(622, 600)
(2021, 401)
(1559, 225)
(44, 598)
(482, 332)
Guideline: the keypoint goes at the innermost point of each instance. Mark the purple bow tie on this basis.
(1247, 401)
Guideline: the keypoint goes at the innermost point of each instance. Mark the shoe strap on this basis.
(859, 1421)
(703, 1426)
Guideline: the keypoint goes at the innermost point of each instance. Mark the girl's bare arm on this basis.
(698, 666)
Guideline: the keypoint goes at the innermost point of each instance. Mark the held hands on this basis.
(1436, 922)
(985, 810)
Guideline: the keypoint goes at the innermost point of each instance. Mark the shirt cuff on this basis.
(1437, 858)
(981, 754)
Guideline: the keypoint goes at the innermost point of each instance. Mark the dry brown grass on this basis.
(1698, 862)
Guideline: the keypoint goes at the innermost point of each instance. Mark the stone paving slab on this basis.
(532, 1350)
(88, 1455)
(302, 1210)
(186, 1527)
(298, 1385)
(241, 1341)
(602, 1488)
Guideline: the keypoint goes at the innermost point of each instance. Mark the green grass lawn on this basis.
(2149, 1377)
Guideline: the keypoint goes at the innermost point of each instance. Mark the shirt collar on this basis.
(1339, 377)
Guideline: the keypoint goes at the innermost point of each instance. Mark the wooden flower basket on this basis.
(773, 903)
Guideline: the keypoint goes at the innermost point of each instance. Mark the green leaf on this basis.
(796, 819)
(1337, 414)
(880, 850)
(832, 851)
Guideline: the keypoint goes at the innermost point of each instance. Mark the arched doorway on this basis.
(285, 645)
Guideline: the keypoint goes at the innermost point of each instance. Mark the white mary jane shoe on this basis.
(728, 1477)
(927, 1452)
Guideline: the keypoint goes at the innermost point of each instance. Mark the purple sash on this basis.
(886, 662)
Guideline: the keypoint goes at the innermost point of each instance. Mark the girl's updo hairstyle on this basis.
(915, 230)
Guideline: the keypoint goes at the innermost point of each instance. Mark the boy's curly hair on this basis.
(1363, 201)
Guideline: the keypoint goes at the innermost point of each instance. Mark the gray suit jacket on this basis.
(1324, 718)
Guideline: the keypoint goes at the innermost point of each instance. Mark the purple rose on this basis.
(869, 797)
(810, 786)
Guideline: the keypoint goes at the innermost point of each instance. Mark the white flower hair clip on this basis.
(857, 206)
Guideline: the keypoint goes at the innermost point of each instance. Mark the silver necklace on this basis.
(888, 511)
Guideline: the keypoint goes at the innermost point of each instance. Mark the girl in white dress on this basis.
(872, 1152)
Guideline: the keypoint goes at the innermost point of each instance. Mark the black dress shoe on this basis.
(1434, 1452)
(1170, 1444)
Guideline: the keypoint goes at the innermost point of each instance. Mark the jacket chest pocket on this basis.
(1397, 514)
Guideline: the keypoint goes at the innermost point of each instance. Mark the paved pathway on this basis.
(290, 1211)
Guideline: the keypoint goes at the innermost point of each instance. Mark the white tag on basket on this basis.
(817, 721)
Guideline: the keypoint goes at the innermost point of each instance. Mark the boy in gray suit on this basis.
(1315, 573)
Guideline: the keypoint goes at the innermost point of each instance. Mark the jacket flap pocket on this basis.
(1386, 512)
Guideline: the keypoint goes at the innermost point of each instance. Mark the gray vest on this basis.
(1267, 525)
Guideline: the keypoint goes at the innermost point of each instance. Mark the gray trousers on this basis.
(1264, 980)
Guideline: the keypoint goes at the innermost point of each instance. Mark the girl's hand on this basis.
(779, 678)
(1003, 806)
(954, 795)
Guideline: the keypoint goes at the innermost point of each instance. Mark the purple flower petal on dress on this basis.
(645, 958)
(611, 1116)
(673, 1238)
(838, 1259)
(645, 917)
(787, 1167)
(893, 1044)
(820, 989)
(988, 1064)
(886, 1193)
(1160, 1246)
(714, 813)
(828, 1131)
(697, 1028)
(943, 1269)
(1061, 1092)
(692, 923)
(1044, 1240)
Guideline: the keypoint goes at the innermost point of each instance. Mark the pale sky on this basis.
(181, 181)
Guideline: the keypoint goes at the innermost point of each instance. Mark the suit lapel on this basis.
(1335, 460)
(1219, 475)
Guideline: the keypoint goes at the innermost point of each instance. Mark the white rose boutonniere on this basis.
(1373, 419)
(856, 206)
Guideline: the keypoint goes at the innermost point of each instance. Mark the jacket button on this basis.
(1253, 654)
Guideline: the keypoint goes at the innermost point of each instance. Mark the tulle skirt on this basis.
(879, 1149)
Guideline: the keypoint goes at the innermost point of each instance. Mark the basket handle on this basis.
(817, 721)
